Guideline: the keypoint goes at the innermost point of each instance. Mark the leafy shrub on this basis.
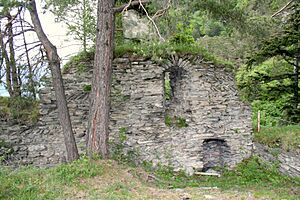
(183, 35)
(21, 109)
(79, 61)
(87, 88)
(5, 150)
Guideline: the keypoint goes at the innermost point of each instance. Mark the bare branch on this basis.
(127, 6)
(282, 9)
(157, 31)
(132, 4)
(161, 12)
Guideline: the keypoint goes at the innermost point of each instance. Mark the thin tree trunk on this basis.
(84, 26)
(7, 65)
(31, 88)
(97, 140)
(14, 72)
(54, 64)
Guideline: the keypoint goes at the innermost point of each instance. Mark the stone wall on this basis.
(289, 162)
(204, 107)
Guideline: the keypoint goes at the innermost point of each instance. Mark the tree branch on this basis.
(130, 5)
(152, 21)
(282, 9)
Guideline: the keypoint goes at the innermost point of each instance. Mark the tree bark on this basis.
(97, 140)
(4, 55)
(54, 64)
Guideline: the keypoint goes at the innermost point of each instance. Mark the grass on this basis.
(33, 183)
(98, 179)
(251, 175)
(79, 61)
(286, 137)
(161, 51)
(154, 50)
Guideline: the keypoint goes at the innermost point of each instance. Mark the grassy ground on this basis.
(286, 137)
(85, 179)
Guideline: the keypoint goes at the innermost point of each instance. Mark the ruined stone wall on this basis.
(202, 125)
(289, 162)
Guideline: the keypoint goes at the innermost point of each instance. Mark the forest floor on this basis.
(109, 180)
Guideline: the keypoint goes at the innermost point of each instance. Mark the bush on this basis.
(21, 109)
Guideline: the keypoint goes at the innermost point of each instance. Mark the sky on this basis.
(57, 33)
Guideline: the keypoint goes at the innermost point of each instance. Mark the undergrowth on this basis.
(33, 183)
(154, 50)
(20, 109)
(62, 181)
(250, 175)
(285, 137)
(161, 51)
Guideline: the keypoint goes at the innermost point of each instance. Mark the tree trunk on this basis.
(84, 21)
(4, 55)
(14, 71)
(31, 85)
(54, 64)
(97, 140)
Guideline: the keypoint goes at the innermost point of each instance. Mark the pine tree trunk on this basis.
(54, 64)
(97, 141)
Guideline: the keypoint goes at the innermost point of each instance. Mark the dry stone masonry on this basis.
(184, 113)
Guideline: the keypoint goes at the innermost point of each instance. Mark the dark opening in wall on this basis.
(167, 87)
(171, 79)
(215, 153)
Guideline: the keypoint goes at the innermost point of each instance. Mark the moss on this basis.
(87, 88)
(175, 121)
(168, 120)
(181, 122)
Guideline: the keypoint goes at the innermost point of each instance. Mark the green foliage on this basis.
(181, 122)
(160, 51)
(175, 121)
(281, 43)
(72, 172)
(268, 88)
(168, 120)
(167, 89)
(252, 173)
(80, 61)
(79, 17)
(117, 149)
(7, 5)
(5, 150)
(21, 109)
(286, 137)
(183, 35)
(33, 183)
(87, 88)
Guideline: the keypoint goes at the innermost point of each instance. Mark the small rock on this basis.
(207, 196)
